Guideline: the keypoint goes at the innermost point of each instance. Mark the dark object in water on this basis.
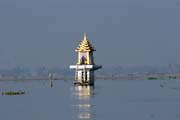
(83, 84)
(13, 93)
(161, 85)
(152, 78)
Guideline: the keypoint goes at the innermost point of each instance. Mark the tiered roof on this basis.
(85, 45)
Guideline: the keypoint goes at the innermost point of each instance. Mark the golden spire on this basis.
(85, 45)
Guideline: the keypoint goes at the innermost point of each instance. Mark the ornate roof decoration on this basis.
(85, 45)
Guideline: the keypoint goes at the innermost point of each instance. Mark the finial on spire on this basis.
(85, 36)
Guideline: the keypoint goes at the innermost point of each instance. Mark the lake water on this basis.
(108, 100)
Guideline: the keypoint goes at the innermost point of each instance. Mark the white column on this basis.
(79, 76)
(88, 75)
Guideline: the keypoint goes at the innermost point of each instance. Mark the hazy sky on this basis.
(124, 32)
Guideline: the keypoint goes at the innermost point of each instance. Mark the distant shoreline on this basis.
(115, 77)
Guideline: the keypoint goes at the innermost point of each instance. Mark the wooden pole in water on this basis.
(51, 79)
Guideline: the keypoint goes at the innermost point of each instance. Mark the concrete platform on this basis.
(88, 67)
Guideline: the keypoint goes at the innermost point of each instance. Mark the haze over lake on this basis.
(124, 32)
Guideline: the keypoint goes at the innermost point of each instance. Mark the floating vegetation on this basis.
(13, 93)
(152, 78)
(161, 85)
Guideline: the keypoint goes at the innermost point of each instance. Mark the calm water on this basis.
(108, 100)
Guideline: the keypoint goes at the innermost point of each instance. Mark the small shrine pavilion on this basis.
(85, 67)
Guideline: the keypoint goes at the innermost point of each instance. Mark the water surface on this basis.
(109, 99)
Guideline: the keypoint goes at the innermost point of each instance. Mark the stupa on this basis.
(85, 67)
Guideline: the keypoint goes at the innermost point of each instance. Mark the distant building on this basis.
(85, 67)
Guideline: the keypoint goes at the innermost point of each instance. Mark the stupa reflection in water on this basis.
(84, 106)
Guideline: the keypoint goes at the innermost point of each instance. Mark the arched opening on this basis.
(83, 60)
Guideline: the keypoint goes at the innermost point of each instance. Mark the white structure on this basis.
(85, 66)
